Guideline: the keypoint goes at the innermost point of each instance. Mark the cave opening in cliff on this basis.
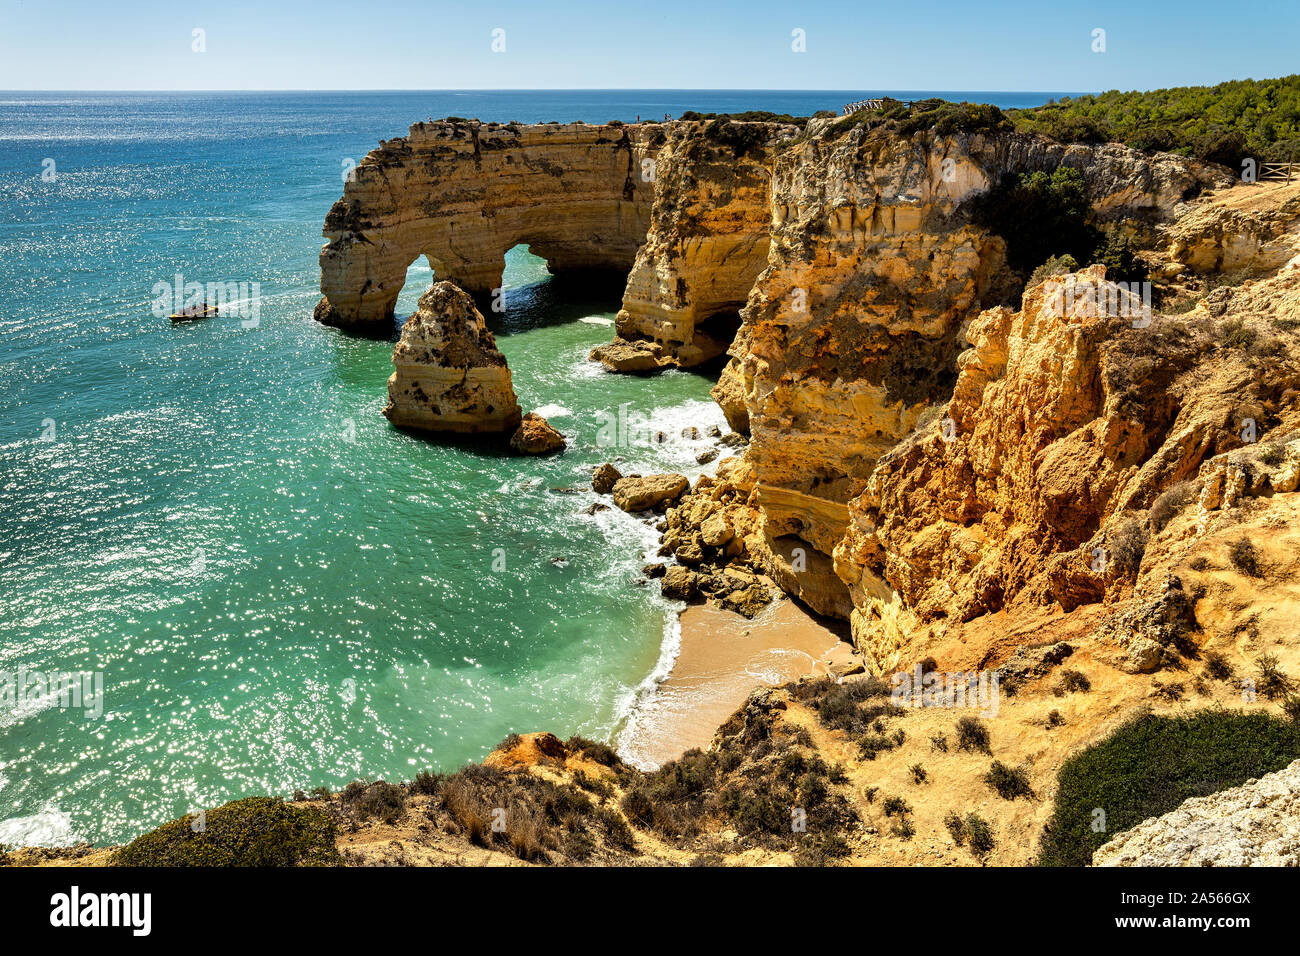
(536, 293)
(420, 274)
(714, 335)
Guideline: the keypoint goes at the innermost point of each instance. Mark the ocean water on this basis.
(275, 588)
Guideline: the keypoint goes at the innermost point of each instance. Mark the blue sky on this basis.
(656, 44)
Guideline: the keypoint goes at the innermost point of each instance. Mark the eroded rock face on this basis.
(463, 193)
(1250, 233)
(449, 375)
(1037, 483)
(851, 249)
(604, 478)
(708, 240)
(852, 331)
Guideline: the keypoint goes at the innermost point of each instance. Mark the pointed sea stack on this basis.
(449, 375)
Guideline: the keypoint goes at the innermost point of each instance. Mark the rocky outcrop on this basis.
(1256, 824)
(462, 193)
(635, 358)
(845, 252)
(643, 493)
(851, 333)
(604, 478)
(448, 374)
(536, 436)
(526, 752)
(1045, 476)
(708, 239)
(1256, 230)
(709, 532)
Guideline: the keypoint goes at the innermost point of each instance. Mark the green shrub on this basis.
(387, 801)
(1008, 782)
(1119, 255)
(979, 834)
(595, 751)
(973, 830)
(1217, 666)
(947, 118)
(1152, 764)
(1039, 215)
(1272, 454)
(956, 826)
(852, 706)
(1070, 681)
(1236, 334)
(1055, 266)
(748, 116)
(1269, 680)
(972, 735)
(895, 806)
(1222, 123)
(1171, 501)
(820, 849)
(1244, 557)
(256, 831)
(1291, 706)
(617, 833)
(743, 139)
(426, 782)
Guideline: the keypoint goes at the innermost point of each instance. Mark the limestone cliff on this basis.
(449, 375)
(462, 193)
(852, 331)
(850, 248)
(1071, 439)
(708, 237)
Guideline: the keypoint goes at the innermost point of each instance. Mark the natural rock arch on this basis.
(463, 193)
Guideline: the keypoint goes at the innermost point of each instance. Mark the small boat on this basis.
(194, 313)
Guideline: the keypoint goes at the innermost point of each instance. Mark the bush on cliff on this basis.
(1152, 764)
(947, 118)
(748, 116)
(1118, 254)
(757, 780)
(1055, 266)
(536, 819)
(943, 117)
(257, 831)
(741, 138)
(381, 799)
(1039, 215)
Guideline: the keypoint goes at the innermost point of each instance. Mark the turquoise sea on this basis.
(277, 589)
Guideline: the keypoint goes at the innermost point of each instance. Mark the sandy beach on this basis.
(724, 656)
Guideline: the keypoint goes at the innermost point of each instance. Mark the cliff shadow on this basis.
(554, 300)
(533, 295)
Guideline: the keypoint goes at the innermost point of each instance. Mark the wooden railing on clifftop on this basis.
(1278, 172)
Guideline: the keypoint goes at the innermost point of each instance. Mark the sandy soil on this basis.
(724, 656)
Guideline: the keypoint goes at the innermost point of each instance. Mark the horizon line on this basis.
(542, 89)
